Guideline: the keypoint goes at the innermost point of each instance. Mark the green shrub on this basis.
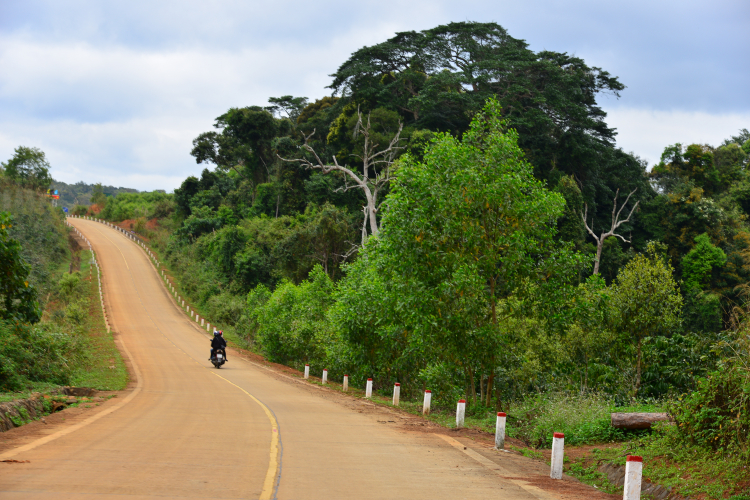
(71, 286)
(75, 313)
(293, 322)
(717, 414)
(33, 354)
(583, 418)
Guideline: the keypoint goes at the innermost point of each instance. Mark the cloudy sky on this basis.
(115, 91)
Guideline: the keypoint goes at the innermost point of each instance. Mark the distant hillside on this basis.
(80, 192)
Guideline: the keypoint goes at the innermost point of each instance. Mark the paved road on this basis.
(186, 430)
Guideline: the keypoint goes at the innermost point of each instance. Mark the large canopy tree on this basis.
(29, 168)
(439, 78)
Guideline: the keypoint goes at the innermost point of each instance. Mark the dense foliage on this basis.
(480, 281)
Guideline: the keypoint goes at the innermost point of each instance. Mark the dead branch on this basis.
(376, 169)
(616, 222)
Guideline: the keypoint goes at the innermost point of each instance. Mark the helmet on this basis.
(217, 332)
(221, 332)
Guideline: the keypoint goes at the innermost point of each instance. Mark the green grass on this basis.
(101, 366)
(690, 470)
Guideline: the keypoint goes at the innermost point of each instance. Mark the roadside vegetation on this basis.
(52, 330)
(481, 235)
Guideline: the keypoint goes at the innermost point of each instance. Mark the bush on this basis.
(71, 286)
(293, 323)
(33, 354)
(717, 414)
(583, 418)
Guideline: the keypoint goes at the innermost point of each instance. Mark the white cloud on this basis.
(126, 116)
(115, 92)
(647, 132)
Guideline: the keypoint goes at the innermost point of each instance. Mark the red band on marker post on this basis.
(345, 375)
(558, 435)
(398, 384)
(461, 400)
(369, 379)
(634, 458)
(306, 364)
(501, 414)
(428, 391)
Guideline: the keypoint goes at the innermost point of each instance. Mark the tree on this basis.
(18, 300)
(695, 165)
(289, 105)
(438, 78)
(698, 263)
(464, 230)
(615, 223)
(377, 170)
(646, 301)
(98, 197)
(29, 168)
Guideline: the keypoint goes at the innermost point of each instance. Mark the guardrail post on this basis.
(633, 474)
(346, 383)
(368, 388)
(500, 431)
(396, 393)
(427, 402)
(558, 454)
(307, 371)
(460, 413)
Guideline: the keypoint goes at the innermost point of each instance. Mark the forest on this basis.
(457, 216)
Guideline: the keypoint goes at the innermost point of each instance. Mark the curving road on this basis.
(186, 430)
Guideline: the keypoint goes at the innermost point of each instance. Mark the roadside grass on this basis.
(100, 365)
(690, 470)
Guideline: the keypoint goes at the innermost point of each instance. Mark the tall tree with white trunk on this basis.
(377, 170)
(616, 222)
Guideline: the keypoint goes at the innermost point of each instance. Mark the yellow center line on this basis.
(272, 474)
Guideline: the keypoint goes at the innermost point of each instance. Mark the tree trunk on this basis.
(490, 382)
(373, 217)
(472, 388)
(638, 369)
(637, 420)
(599, 246)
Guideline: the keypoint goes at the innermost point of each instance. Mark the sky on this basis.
(115, 91)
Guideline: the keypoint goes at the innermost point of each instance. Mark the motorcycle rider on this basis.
(218, 342)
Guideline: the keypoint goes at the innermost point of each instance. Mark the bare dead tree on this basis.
(616, 222)
(376, 173)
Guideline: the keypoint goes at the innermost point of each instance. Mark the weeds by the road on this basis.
(100, 365)
(71, 345)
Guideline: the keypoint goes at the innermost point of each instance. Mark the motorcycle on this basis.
(219, 358)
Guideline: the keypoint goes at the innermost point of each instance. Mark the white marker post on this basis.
(307, 371)
(396, 393)
(325, 376)
(197, 318)
(558, 453)
(368, 388)
(427, 401)
(633, 473)
(203, 322)
(208, 327)
(460, 413)
(500, 431)
(346, 383)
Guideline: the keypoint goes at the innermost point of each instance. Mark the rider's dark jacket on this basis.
(218, 342)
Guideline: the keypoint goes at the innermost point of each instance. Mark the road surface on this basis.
(186, 430)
